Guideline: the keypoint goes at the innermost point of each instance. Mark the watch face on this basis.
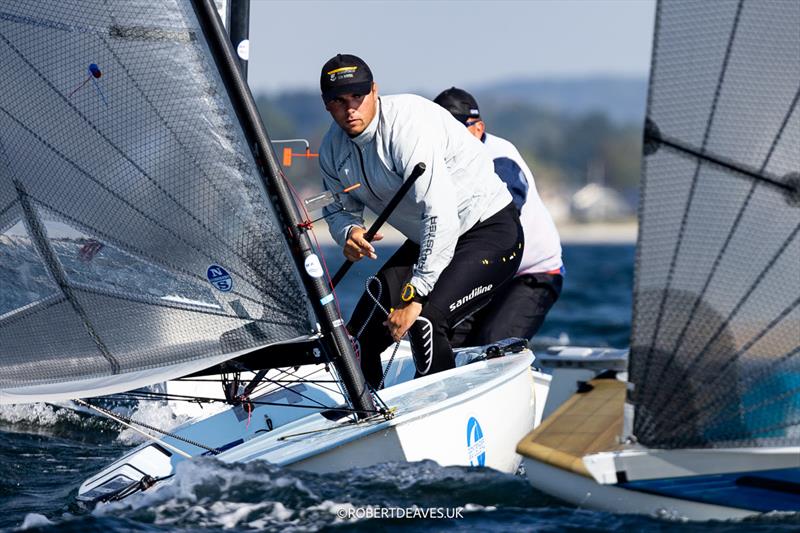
(408, 292)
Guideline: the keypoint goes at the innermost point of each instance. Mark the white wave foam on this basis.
(476, 508)
(40, 414)
(35, 520)
(207, 493)
(153, 414)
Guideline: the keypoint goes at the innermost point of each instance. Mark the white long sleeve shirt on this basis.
(458, 189)
(542, 251)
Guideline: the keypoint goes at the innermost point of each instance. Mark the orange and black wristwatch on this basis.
(409, 294)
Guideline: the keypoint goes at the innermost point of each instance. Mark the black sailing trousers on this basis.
(517, 310)
(485, 257)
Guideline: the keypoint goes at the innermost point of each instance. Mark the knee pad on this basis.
(427, 336)
(420, 335)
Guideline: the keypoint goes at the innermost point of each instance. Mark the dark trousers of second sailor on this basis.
(485, 257)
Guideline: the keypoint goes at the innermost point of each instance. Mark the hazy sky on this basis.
(427, 46)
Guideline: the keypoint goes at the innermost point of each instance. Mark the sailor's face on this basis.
(354, 112)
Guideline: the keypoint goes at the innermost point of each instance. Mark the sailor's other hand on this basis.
(357, 246)
(399, 320)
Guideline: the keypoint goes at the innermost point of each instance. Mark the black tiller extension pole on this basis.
(418, 171)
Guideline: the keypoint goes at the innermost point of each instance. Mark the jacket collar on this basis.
(366, 136)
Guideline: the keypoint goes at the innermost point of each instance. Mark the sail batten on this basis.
(135, 230)
(717, 283)
(736, 168)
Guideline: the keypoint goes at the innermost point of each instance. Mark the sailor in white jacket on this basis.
(464, 237)
(520, 307)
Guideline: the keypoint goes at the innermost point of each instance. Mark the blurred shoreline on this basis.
(623, 232)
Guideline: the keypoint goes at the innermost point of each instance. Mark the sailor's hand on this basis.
(399, 320)
(357, 246)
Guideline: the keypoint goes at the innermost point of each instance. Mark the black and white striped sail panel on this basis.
(715, 348)
(135, 231)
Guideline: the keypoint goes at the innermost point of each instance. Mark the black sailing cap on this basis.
(345, 74)
(460, 103)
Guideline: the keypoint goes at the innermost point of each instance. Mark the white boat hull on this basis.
(441, 435)
(585, 492)
(472, 416)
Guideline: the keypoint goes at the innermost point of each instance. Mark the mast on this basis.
(335, 339)
(239, 30)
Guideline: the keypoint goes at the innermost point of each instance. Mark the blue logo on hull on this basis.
(219, 278)
(476, 445)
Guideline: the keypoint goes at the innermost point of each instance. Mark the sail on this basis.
(715, 347)
(135, 232)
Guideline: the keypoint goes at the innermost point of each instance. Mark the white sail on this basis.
(135, 232)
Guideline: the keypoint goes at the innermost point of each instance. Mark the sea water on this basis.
(47, 452)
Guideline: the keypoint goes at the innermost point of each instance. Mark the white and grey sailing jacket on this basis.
(458, 189)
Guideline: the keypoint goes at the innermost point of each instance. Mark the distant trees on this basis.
(564, 151)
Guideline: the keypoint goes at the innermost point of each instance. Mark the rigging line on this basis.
(122, 154)
(38, 235)
(746, 295)
(692, 189)
(255, 383)
(345, 425)
(305, 379)
(122, 419)
(736, 168)
(728, 365)
(298, 380)
(718, 260)
(281, 385)
(373, 420)
(160, 396)
(145, 395)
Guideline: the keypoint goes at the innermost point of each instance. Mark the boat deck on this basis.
(589, 422)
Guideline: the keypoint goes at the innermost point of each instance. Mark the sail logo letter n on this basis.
(219, 278)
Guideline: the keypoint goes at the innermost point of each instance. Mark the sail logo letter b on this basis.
(476, 445)
(219, 278)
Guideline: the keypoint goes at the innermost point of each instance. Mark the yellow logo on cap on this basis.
(342, 69)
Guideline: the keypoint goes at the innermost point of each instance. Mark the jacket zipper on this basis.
(364, 173)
